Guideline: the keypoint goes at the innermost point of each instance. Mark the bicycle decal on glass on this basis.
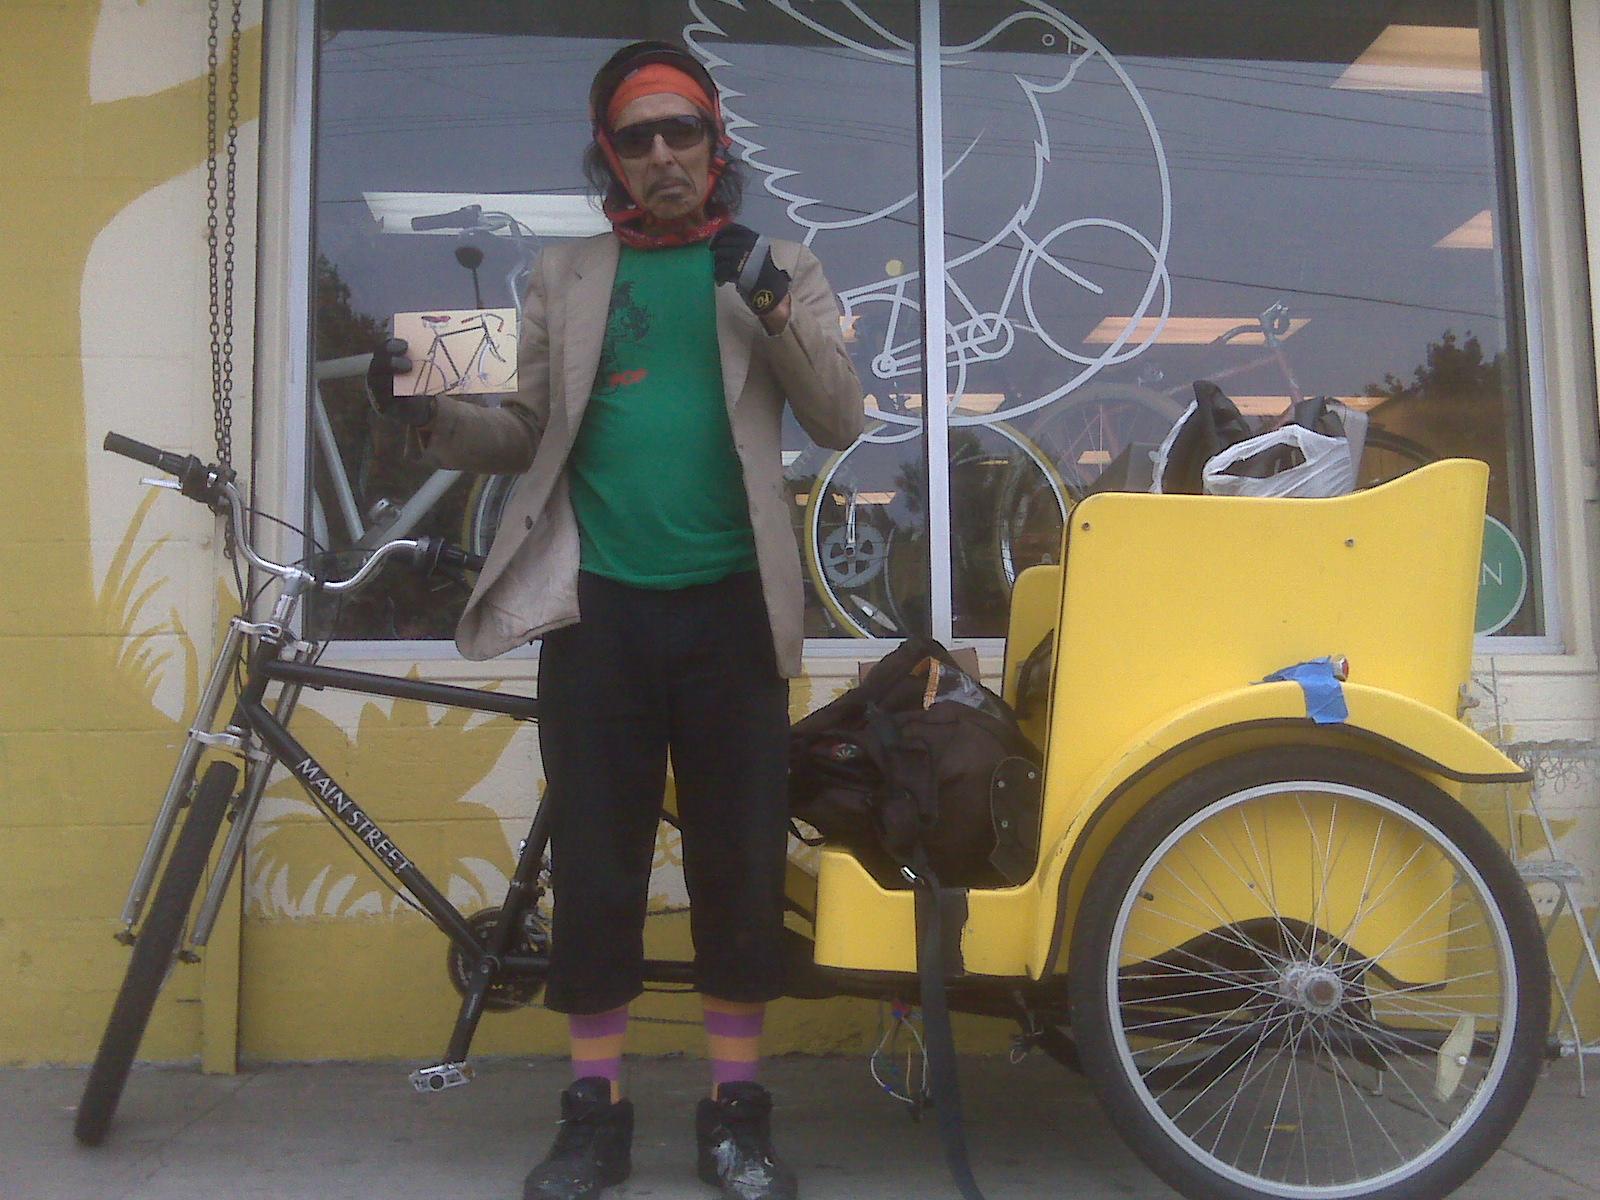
(1032, 259)
(989, 310)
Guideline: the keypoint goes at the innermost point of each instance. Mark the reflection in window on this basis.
(1289, 200)
(441, 112)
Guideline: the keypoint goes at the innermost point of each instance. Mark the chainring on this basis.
(508, 992)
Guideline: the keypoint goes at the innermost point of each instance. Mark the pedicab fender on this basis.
(1382, 723)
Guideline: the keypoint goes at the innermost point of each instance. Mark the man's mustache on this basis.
(670, 181)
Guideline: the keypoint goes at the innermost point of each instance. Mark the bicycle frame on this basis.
(259, 731)
(362, 535)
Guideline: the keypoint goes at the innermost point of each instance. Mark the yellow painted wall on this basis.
(93, 665)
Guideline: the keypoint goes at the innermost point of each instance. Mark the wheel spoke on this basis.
(1245, 1014)
(1270, 1026)
(1291, 942)
(1360, 1092)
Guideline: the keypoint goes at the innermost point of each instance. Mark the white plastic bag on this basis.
(1328, 466)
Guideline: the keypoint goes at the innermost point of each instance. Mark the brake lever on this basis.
(172, 485)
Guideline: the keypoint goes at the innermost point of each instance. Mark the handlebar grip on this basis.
(454, 556)
(434, 552)
(161, 460)
(463, 218)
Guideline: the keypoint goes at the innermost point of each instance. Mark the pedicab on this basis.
(1244, 896)
(1290, 962)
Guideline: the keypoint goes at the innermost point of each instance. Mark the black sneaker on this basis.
(592, 1149)
(734, 1136)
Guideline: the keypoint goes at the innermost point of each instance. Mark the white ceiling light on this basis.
(1271, 406)
(1475, 233)
(1418, 58)
(542, 215)
(1187, 331)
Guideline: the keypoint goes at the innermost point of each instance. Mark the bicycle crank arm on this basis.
(443, 1075)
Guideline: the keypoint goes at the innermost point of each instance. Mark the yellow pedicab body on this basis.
(1172, 608)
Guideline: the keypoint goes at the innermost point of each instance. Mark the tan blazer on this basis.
(530, 583)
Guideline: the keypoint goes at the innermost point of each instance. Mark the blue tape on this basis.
(1325, 703)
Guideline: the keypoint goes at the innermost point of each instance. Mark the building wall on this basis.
(111, 595)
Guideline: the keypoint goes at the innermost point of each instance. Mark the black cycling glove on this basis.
(743, 257)
(388, 360)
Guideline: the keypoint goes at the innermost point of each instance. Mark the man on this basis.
(648, 544)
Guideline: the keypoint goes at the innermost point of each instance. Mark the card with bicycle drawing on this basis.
(458, 352)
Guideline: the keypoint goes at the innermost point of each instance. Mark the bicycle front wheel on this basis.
(153, 953)
(1307, 973)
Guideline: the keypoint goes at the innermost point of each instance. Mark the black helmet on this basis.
(629, 59)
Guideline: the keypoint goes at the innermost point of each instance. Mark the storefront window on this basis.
(1293, 200)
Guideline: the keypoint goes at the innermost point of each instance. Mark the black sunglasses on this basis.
(680, 133)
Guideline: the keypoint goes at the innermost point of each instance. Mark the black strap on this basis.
(946, 1083)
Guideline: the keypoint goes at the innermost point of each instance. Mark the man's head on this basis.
(659, 143)
(663, 145)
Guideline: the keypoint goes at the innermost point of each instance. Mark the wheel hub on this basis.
(1311, 986)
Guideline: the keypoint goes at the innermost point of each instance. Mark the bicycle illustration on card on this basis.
(460, 352)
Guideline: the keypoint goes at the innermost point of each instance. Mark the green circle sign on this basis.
(1502, 578)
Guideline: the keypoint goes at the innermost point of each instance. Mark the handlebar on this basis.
(161, 460)
(197, 480)
(213, 486)
(432, 553)
(468, 217)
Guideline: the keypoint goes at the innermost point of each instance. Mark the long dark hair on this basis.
(727, 194)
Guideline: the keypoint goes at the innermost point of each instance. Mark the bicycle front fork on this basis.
(201, 735)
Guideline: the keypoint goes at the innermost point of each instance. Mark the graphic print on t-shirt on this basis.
(654, 477)
(628, 325)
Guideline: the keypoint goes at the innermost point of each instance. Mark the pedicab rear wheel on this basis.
(1239, 982)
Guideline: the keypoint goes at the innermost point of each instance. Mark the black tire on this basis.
(1383, 1014)
(1388, 456)
(485, 508)
(153, 953)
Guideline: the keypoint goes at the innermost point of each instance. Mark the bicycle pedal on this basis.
(444, 1075)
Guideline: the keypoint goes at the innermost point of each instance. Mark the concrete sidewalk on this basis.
(358, 1132)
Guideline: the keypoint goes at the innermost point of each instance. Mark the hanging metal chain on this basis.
(221, 220)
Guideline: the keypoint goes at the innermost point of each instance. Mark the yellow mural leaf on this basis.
(408, 769)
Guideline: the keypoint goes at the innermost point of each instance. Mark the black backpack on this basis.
(920, 757)
(925, 764)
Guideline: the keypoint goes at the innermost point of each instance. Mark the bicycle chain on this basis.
(220, 251)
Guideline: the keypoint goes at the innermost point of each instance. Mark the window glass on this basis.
(1288, 200)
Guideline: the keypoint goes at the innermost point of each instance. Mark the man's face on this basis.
(670, 184)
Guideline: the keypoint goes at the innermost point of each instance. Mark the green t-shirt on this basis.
(655, 481)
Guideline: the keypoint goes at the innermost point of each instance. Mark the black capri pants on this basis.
(689, 671)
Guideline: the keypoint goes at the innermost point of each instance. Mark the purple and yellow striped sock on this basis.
(597, 1046)
(733, 1031)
